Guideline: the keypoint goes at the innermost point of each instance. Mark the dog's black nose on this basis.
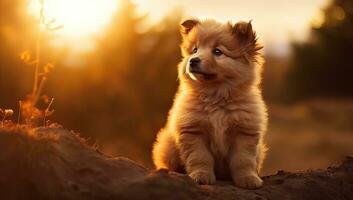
(194, 63)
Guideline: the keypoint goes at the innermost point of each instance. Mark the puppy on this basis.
(218, 120)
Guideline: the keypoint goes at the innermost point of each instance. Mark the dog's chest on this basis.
(219, 121)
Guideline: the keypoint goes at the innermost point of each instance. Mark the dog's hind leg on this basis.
(165, 153)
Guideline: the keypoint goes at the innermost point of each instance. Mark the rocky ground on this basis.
(53, 163)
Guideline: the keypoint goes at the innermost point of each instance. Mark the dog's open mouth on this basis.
(207, 76)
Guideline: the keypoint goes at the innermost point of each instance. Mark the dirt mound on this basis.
(52, 163)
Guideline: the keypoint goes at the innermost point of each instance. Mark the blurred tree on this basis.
(16, 32)
(118, 49)
(323, 66)
(138, 63)
(124, 95)
(156, 81)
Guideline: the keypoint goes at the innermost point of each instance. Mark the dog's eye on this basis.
(217, 52)
(194, 50)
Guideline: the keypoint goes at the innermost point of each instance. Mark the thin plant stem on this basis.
(39, 90)
(47, 111)
(36, 73)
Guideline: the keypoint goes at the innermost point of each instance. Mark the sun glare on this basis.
(79, 17)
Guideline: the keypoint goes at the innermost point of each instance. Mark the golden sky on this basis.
(277, 21)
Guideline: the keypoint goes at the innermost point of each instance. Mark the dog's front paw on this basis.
(251, 181)
(203, 177)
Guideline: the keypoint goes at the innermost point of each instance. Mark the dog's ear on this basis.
(246, 38)
(187, 25)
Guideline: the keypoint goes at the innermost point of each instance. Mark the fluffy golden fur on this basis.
(218, 120)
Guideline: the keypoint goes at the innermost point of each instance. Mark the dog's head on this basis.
(216, 53)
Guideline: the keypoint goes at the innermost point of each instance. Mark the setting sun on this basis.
(79, 17)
